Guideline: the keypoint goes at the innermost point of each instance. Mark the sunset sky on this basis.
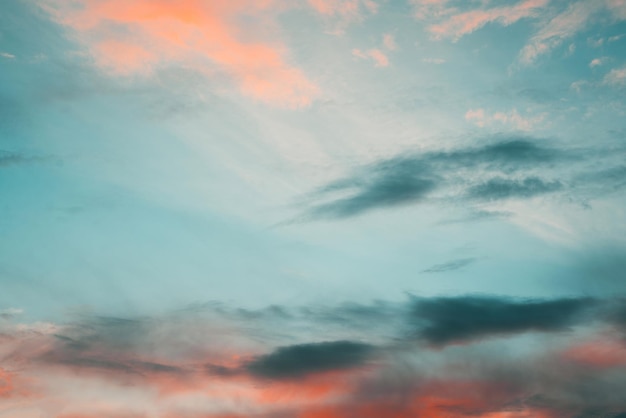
(313, 208)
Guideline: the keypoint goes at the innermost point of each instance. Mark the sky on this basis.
(313, 208)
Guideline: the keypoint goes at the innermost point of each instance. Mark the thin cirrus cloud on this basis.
(452, 22)
(134, 38)
(210, 370)
(461, 24)
(379, 58)
(568, 23)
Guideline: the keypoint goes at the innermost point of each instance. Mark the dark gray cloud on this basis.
(410, 179)
(450, 265)
(304, 359)
(450, 320)
(501, 188)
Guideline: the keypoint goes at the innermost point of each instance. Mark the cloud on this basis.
(7, 55)
(135, 38)
(376, 55)
(596, 62)
(461, 24)
(295, 361)
(616, 77)
(450, 265)
(501, 188)
(385, 190)
(453, 320)
(411, 179)
(482, 118)
(389, 41)
(563, 26)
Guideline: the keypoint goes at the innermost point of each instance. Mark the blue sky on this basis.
(160, 156)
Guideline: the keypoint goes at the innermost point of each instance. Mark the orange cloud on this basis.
(136, 37)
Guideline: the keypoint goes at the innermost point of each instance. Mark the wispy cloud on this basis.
(616, 77)
(482, 118)
(501, 188)
(460, 24)
(411, 179)
(563, 26)
(379, 58)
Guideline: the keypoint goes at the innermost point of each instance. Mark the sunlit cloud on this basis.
(461, 24)
(137, 38)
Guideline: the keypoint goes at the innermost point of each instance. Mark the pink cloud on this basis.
(134, 38)
(376, 55)
(389, 41)
(464, 23)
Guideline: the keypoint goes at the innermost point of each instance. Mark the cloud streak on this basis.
(461, 24)
(412, 179)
